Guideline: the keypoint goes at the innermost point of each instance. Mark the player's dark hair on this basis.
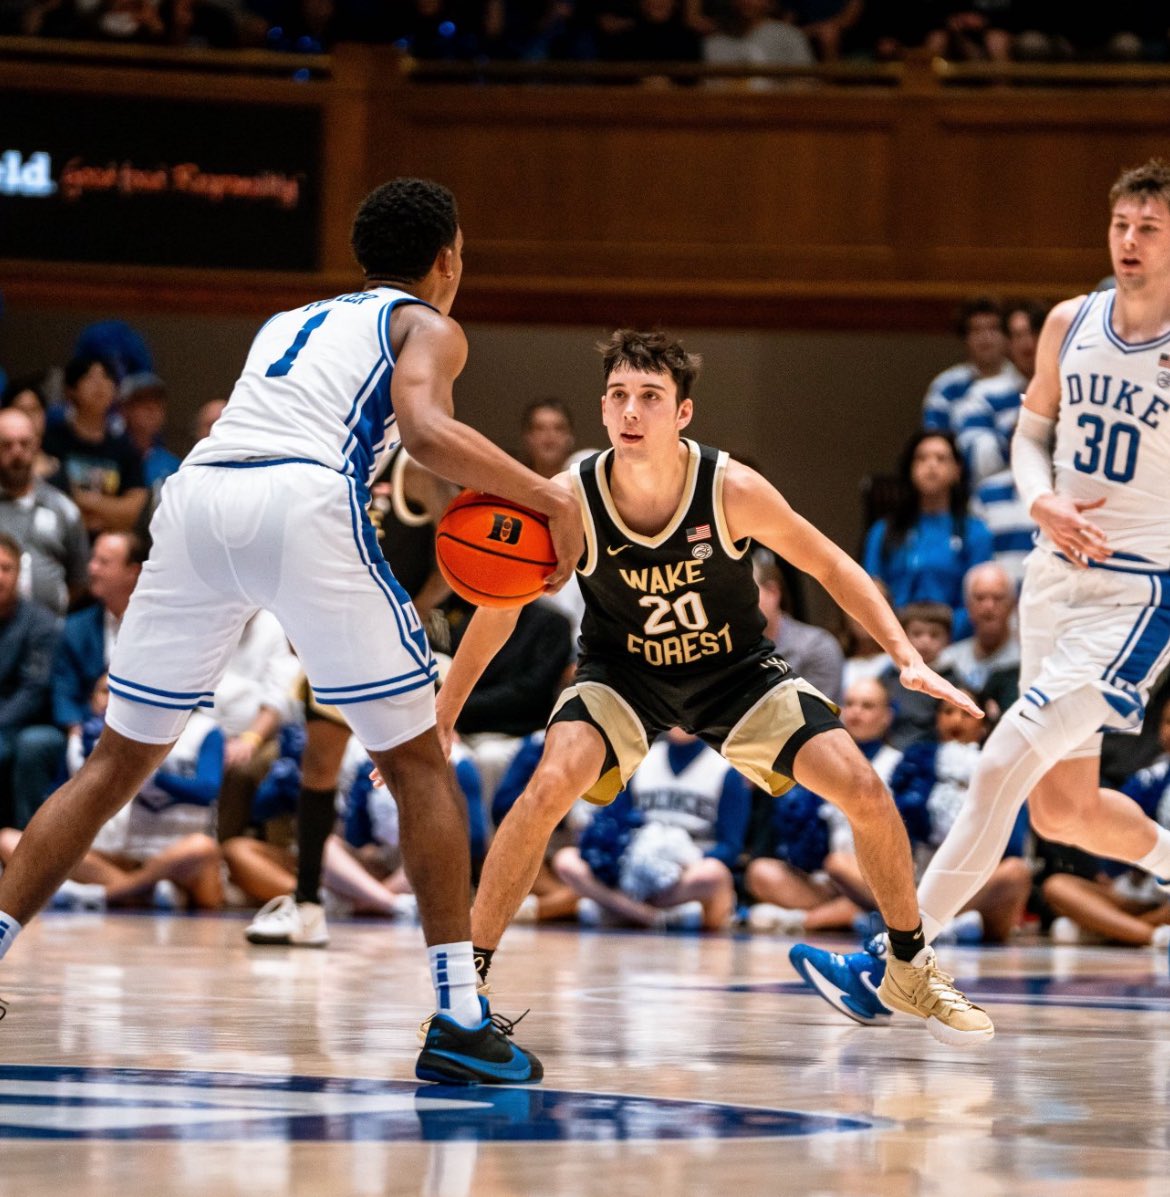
(549, 403)
(1150, 180)
(81, 365)
(978, 305)
(908, 509)
(401, 227)
(654, 353)
(11, 546)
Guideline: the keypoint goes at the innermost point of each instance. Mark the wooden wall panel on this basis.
(821, 207)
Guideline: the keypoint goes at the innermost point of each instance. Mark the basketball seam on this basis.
(467, 544)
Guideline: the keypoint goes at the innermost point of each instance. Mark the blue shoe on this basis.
(484, 1055)
(849, 983)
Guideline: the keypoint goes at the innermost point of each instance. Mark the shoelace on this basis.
(483, 990)
(507, 1026)
(4, 1010)
(941, 987)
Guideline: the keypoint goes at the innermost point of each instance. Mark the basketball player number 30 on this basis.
(688, 612)
(1119, 449)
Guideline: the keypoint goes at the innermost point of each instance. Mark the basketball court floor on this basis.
(157, 1054)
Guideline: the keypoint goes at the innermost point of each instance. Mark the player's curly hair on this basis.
(655, 352)
(1151, 179)
(401, 227)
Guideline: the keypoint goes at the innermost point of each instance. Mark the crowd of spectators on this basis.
(749, 32)
(688, 843)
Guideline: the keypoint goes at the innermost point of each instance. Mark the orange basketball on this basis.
(493, 552)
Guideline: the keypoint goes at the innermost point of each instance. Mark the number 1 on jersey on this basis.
(284, 364)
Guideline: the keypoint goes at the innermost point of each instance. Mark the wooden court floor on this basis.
(155, 1054)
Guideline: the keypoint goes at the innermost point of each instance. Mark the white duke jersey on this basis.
(1113, 434)
(315, 388)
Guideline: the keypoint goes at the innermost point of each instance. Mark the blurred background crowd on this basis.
(85, 448)
(754, 32)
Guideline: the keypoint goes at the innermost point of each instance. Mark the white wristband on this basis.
(1032, 456)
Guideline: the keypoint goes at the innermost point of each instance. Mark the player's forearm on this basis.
(1032, 456)
(852, 589)
(456, 451)
(486, 634)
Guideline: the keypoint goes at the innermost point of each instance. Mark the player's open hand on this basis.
(1063, 520)
(920, 676)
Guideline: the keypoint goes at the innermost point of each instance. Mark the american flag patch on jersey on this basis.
(701, 532)
(1164, 361)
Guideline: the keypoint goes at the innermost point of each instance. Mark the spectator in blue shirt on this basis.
(923, 550)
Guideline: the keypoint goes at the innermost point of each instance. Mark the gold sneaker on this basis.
(925, 991)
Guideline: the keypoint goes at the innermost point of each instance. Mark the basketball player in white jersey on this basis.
(1091, 459)
(269, 511)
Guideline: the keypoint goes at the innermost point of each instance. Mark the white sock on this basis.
(9, 930)
(1157, 860)
(454, 978)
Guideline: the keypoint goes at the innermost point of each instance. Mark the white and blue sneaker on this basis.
(849, 982)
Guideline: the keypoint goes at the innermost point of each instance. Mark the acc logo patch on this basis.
(39, 1102)
(702, 551)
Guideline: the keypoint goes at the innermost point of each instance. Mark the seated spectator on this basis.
(993, 645)
(893, 27)
(516, 693)
(31, 748)
(121, 346)
(83, 654)
(930, 786)
(924, 549)
(142, 401)
(158, 846)
(550, 899)
(101, 471)
(828, 24)
(804, 874)
(29, 395)
(980, 324)
(985, 418)
(256, 696)
(864, 657)
(985, 30)
(752, 36)
(538, 30)
(206, 417)
(45, 523)
(1013, 531)
(362, 874)
(662, 853)
(928, 627)
(1099, 900)
(812, 652)
(648, 31)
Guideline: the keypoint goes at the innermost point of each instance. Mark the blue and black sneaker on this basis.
(484, 1055)
(849, 983)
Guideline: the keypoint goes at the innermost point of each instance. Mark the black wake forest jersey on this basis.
(675, 607)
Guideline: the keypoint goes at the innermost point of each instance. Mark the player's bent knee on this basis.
(552, 791)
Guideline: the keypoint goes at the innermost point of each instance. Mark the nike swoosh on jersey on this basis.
(612, 552)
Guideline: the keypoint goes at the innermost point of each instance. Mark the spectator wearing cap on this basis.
(45, 523)
(100, 471)
(143, 403)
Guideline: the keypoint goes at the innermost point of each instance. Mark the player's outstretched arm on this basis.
(486, 634)
(1061, 517)
(431, 352)
(754, 507)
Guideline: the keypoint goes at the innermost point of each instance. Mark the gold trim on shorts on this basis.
(622, 728)
(308, 701)
(755, 742)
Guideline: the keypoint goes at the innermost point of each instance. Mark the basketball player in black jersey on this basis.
(673, 636)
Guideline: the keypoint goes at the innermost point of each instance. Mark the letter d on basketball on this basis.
(506, 528)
